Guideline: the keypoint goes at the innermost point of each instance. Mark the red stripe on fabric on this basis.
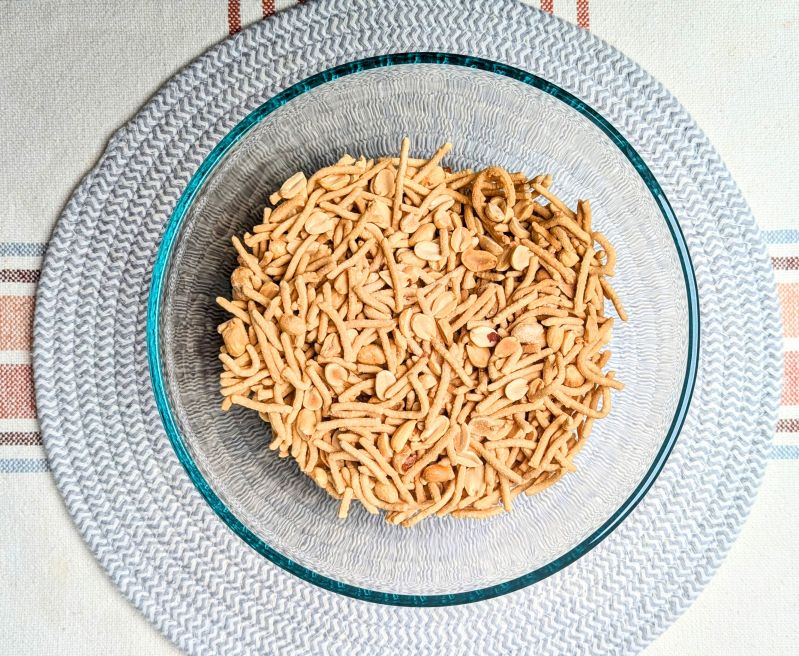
(788, 262)
(789, 299)
(268, 7)
(17, 401)
(788, 426)
(233, 16)
(583, 17)
(790, 384)
(16, 438)
(546, 5)
(16, 321)
(19, 275)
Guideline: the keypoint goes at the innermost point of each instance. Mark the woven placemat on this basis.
(166, 549)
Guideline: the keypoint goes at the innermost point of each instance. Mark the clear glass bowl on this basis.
(492, 114)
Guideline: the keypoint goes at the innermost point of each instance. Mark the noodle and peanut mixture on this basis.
(421, 340)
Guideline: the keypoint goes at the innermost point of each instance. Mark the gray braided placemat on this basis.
(166, 549)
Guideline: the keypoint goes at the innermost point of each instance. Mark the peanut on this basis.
(335, 181)
(484, 336)
(435, 429)
(294, 185)
(306, 422)
(437, 473)
(235, 337)
(371, 354)
(383, 183)
(520, 257)
(335, 375)
(530, 332)
(312, 399)
(319, 223)
(523, 209)
(474, 481)
(442, 219)
(460, 239)
(573, 376)
(427, 250)
(507, 346)
(443, 304)
(568, 258)
(516, 389)
(320, 476)
(380, 214)
(462, 438)
(409, 223)
(440, 201)
(383, 380)
(554, 337)
(292, 324)
(428, 381)
(404, 460)
(494, 213)
(435, 177)
(485, 426)
(477, 260)
(478, 355)
(426, 232)
(386, 492)
(424, 326)
(240, 279)
(402, 435)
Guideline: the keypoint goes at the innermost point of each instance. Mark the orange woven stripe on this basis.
(17, 400)
(16, 319)
(233, 16)
(789, 299)
(790, 385)
(583, 19)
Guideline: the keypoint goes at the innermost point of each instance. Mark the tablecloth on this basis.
(70, 73)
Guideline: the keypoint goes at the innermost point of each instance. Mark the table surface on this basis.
(71, 73)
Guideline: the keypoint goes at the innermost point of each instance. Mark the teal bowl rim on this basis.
(157, 288)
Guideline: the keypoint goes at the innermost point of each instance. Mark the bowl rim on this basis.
(163, 258)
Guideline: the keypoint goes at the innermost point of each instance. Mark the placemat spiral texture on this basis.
(166, 549)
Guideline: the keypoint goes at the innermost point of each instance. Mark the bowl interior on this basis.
(490, 118)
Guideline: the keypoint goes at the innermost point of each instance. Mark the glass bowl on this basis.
(493, 114)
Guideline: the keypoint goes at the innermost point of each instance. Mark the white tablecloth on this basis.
(72, 72)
